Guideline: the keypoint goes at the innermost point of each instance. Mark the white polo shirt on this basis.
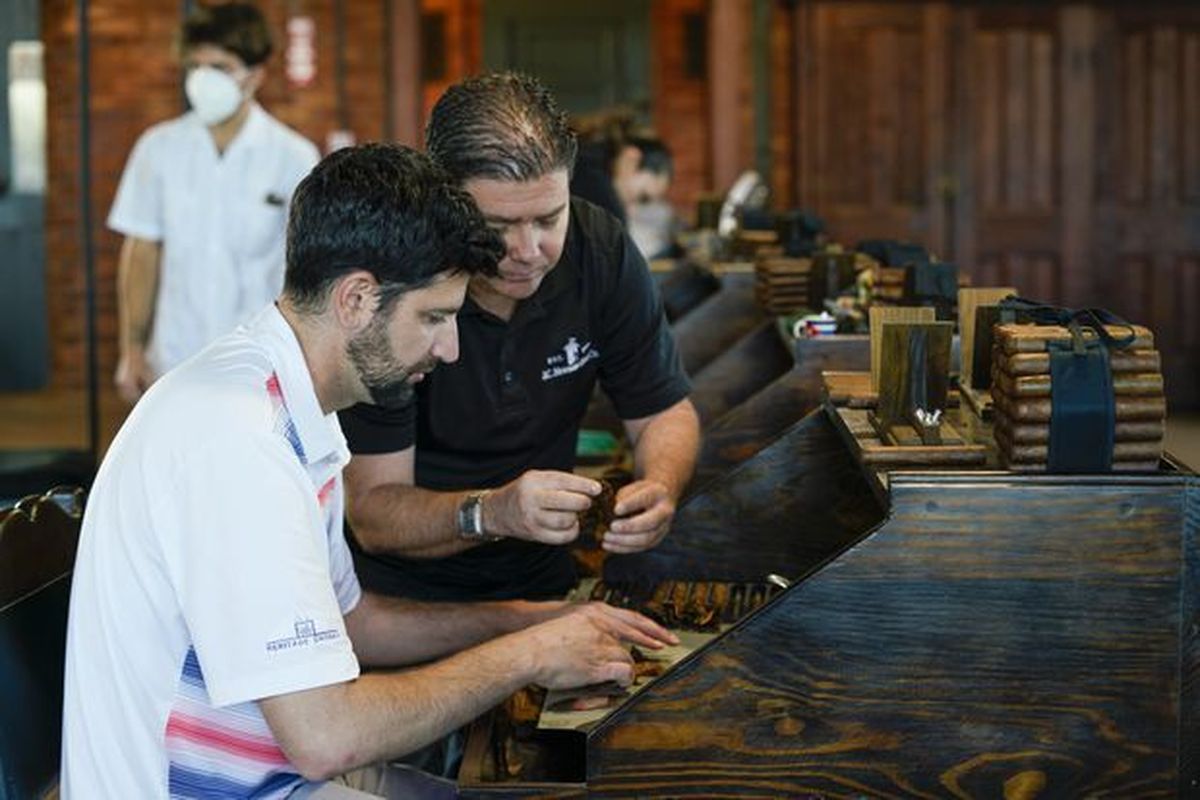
(212, 572)
(221, 219)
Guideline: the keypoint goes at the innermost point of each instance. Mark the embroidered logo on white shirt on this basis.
(306, 634)
(570, 359)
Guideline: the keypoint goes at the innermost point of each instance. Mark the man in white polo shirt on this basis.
(203, 203)
(217, 628)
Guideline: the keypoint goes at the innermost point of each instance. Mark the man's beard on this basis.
(385, 378)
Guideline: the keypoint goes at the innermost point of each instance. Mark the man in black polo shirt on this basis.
(470, 494)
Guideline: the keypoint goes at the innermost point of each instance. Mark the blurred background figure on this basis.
(203, 202)
(626, 169)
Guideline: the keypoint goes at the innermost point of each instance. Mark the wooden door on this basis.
(1008, 157)
(872, 100)
(1079, 164)
(1053, 147)
(1146, 244)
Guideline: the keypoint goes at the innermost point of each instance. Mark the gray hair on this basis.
(505, 126)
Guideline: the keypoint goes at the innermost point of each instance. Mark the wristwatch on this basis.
(470, 518)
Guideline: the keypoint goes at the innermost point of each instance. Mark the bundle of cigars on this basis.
(781, 283)
(1022, 391)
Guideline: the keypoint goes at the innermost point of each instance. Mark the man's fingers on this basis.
(562, 500)
(567, 481)
(647, 521)
(639, 629)
(559, 521)
(633, 542)
(638, 496)
(620, 672)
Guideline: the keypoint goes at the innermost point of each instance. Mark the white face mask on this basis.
(214, 95)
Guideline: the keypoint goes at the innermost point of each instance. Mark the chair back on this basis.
(38, 537)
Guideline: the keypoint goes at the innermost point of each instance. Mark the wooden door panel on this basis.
(874, 95)
(1148, 203)
(1062, 141)
(1013, 234)
(1035, 275)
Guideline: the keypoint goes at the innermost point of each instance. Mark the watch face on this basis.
(470, 517)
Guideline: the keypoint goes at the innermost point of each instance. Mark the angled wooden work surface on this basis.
(752, 362)
(785, 509)
(996, 633)
(761, 418)
(709, 328)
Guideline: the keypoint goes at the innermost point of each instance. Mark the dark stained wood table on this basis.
(969, 635)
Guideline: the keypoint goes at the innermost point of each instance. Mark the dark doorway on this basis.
(24, 354)
(591, 56)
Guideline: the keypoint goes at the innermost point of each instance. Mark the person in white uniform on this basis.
(202, 203)
(217, 629)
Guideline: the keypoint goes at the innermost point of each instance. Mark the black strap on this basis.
(1082, 412)
(1074, 320)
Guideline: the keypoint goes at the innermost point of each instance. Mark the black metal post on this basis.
(85, 213)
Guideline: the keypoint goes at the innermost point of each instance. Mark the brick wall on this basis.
(135, 82)
(680, 103)
(464, 44)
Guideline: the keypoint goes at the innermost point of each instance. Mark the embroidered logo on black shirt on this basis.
(571, 359)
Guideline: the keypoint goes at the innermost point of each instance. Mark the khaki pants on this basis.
(390, 781)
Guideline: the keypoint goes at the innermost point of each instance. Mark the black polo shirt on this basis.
(514, 401)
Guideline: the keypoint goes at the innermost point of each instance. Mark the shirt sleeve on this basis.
(372, 430)
(137, 209)
(251, 564)
(640, 368)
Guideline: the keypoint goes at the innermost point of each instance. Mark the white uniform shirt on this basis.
(212, 572)
(221, 219)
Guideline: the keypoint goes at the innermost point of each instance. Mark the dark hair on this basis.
(389, 210)
(504, 125)
(655, 156)
(236, 27)
(614, 129)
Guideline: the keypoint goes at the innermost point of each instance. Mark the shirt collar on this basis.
(252, 129)
(319, 433)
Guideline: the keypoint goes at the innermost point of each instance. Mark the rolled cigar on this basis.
(1017, 338)
(1017, 364)
(1138, 384)
(777, 265)
(1039, 433)
(1128, 409)
(919, 454)
(1118, 466)
(719, 596)
(1040, 453)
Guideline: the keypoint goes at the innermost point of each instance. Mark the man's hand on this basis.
(540, 506)
(628, 626)
(133, 376)
(644, 509)
(589, 644)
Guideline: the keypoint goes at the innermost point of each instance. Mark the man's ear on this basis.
(353, 300)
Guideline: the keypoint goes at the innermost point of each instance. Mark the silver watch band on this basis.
(470, 518)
